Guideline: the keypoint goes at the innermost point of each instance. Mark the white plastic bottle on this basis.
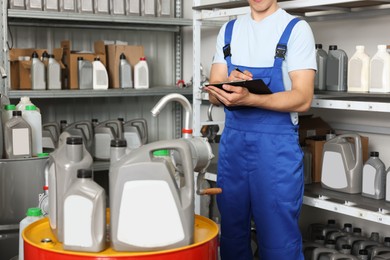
(100, 76)
(38, 80)
(53, 73)
(17, 4)
(85, 214)
(102, 6)
(125, 75)
(148, 7)
(85, 6)
(118, 7)
(164, 8)
(133, 7)
(32, 215)
(34, 5)
(380, 71)
(141, 74)
(68, 5)
(50, 5)
(34, 119)
(17, 137)
(359, 71)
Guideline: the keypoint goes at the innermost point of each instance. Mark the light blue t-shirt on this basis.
(253, 44)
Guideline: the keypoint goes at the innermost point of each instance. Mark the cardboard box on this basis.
(21, 69)
(132, 52)
(316, 144)
(70, 61)
(312, 126)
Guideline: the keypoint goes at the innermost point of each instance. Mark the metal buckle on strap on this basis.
(226, 51)
(280, 51)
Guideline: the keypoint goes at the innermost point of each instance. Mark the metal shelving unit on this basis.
(315, 196)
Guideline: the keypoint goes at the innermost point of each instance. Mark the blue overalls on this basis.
(260, 171)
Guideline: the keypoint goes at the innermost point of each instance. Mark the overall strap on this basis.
(281, 47)
(228, 38)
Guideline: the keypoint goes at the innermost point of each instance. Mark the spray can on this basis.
(85, 227)
(374, 177)
(141, 74)
(53, 73)
(99, 75)
(85, 73)
(125, 75)
(17, 137)
(38, 80)
(380, 71)
(63, 165)
(32, 215)
(336, 69)
(34, 119)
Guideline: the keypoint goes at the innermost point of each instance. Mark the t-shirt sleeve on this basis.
(219, 56)
(301, 48)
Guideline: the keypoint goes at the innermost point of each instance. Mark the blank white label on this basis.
(20, 141)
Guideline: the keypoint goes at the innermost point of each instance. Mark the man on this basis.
(260, 161)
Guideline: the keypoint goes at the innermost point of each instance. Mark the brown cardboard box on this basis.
(70, 60)
(312, 126)
(20, 69)
(316, 145)
(132, 52)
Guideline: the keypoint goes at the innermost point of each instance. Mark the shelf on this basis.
(308, 9)
(353, 205)
(153, 91)
(86, 20)
(352, 101)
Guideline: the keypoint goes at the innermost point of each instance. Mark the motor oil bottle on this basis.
(54, 129)
(34, 5)
(359, 71)
(141, 74)
(53, 73)
(6, 113)
(85, 215)
(140, 221)
(17, 137)
(374, 177)
(102, 6)
(336, 69)
(63, 165)
(32, 215)
(164, 8)
(84, 129)
(24, 101)
(133, 7)
(118, 149)
(68, 6)
(308, 248)
(380, 71)
(51, 5)
(317, 229)
(363, 254)
(349, 239)
(85, 73)
(323, 253)
(135, 132)
(99, 75)
(34, 119)
(38, 80)
(17, 4)
(85, 6)
(118, 7)
(381, 249)
(148, 7)
(104, 133)
(125, 75)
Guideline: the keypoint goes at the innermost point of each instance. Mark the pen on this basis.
(238, 70)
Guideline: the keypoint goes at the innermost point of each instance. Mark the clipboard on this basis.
(256, 86)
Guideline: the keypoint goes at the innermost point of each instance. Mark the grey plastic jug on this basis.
(308, 248)
(349, 239)
(320, 78)
(85, 215)
(63, 165)
(104, 132)
(336, 69)
(135, 132)
(374, 177)
(148, 211)
(84, 129)
(342, 164)
(85, 73)
(125, 74)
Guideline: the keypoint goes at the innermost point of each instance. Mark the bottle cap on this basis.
(122, 56)
(9, 107)
(360, 48)
(142, 58)
(348, 225)
(318, 46)
(34, 212)
(96, 58)
(331, 221)
(346, 246)
(386, 239)
(43, 154)
(161, 152)
(332, 47)
(45, 54)
(30, 107)
(80, 58)
(374, 154)
(74, 140)
(16, 113)
(118, 143)
(25, 99)
(63, 121)
(94, 120)
(357, 230)
(84, 173)
(34, 55)
(51, 56)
